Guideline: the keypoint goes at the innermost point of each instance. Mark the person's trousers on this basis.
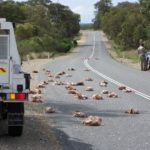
(143, 62)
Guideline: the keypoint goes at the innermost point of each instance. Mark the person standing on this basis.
(142, 55)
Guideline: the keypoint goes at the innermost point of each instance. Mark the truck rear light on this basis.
(20, 96)
(17, 96)
(12, 96)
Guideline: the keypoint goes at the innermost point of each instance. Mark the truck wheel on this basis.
(15, 130)
(15, 119)
(4, 116)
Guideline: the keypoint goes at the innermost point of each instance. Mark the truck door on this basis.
(4, 60)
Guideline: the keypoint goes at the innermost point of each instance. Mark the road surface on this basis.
(118, 130)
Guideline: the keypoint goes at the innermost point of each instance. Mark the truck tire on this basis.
(15, 119)
(15, 130)
(4, 116)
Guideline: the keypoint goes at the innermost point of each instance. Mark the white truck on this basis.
(14, 83)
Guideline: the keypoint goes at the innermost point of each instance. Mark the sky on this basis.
(84, 7)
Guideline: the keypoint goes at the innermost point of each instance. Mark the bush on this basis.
(25, 31)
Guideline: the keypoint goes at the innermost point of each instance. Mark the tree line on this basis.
(42, 26)
(126, 24)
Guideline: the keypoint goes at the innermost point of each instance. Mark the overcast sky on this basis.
(84, 7)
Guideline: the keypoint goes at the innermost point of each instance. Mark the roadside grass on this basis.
(117, 51)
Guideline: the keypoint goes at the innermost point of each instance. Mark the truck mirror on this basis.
(14, 25)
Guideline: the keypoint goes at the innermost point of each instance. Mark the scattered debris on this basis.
(61, 73)
(79, 96)
(72, 84)
(86, 69)
(35, 71)
(35, 91)
(89, 79)
(40, 85)
(132, 111)
(89, 89)
(36, 98)
(112, 95)
(93, 121)
(70, 87)
(103, 83)
(72, 92)
(97, 97)
(45, 83)
(105, 92)
(50, 110)
(71, 69)
(80, 83)
(58, 83)
(128, 90)
(79, 114)
(122, 87)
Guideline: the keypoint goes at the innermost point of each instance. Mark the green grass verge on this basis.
(132, 55)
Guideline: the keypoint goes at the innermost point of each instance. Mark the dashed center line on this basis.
(109, 78)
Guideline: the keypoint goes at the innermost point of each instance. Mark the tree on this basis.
(12, 11)
(103, 6)
(145, 8)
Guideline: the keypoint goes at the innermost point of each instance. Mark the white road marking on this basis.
(93, 49)
(109, 78)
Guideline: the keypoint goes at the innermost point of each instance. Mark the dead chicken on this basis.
(79, 114)
(58, 83)
(71, 69)
(40, 85)
(132, 111)
(89, 79)
(112, 95)
(97, 97)
(35, 91)
(45, 83)
(72, 92)
(70, 87)
(89, 89)
(122, 87)
(79, 96)
(93, 121)
(80, 83)
(50, 110)
(128, 90)
(105, 92)
(35, 71)
(36, 98)
(103, 83)
(61, 73)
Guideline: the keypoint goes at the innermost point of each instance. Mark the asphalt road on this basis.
(119, 131)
